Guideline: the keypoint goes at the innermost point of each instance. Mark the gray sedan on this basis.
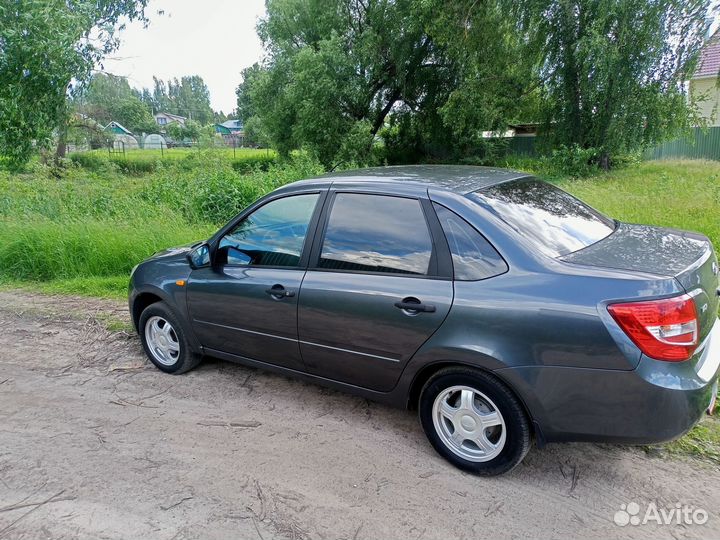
(500, 307)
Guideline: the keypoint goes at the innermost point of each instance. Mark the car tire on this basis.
(164, 340)
(474, 421)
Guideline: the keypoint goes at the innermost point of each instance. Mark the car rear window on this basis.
(553, 220)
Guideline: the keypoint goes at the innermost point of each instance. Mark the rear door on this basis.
(378, 287)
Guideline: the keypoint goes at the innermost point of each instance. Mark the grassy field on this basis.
(82, 233)
(138, 162)
(680, 194)
(182, 153)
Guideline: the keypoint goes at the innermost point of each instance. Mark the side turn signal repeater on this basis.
(180, 283)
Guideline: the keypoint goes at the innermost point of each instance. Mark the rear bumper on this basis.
(655, 402)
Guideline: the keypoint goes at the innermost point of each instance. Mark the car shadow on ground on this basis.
(563, 460)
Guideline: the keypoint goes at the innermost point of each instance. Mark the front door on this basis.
(246, 303)
(373, 295)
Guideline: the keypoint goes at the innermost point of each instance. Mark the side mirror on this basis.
(199, 257)
(233, 256)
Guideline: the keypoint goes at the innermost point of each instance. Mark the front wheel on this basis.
(474, 421)
(164, 341)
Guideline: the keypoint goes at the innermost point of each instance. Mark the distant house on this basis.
(163, 119)
(121, 135)
(117, 129)
(232, 132)
(704, 83)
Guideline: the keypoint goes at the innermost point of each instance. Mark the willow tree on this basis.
(612, 72)
(336, 69)
(45, 45)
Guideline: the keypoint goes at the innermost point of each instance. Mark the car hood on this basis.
(173, 252)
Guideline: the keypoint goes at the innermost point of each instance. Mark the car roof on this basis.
(462, 179)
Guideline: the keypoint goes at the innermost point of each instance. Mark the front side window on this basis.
(472, 255)
(273, 235)
(553, 220)
(376, 233)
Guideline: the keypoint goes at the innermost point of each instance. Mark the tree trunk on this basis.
(62, 134)
(380, 118)
(61, 144)
(571, 33)
(605, 161)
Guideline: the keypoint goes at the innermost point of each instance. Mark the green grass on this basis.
(182, 153)
(111, 287)
(138, 162)
(83, 232)
(680, 194)
(702, 442)
(96, 224)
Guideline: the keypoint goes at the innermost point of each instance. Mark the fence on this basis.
(701, 144)
(522, 146)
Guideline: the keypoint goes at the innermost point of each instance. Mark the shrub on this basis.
(46, 250)
(574, 161)
(257, 162)
(140, 162)
(213, 192)
(92, 161)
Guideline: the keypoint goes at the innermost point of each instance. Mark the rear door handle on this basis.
(414, 305)
(278, 291)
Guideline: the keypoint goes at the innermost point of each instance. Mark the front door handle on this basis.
(413, 305)
(278, 291)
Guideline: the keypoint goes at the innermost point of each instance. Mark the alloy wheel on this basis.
(469, 423)
(162, 341)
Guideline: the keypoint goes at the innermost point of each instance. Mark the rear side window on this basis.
(473, 257)
(554, 221)
(376, 233)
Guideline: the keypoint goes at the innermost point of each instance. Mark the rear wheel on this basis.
(474, 421)
(164, 341)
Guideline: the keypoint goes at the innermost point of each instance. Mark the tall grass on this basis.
(91, 227)
(84, 231)
(138, 162)
(44, 250)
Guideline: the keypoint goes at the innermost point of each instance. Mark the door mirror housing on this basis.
(200, 256)
(233, 256)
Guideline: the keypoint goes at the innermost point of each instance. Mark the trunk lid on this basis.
(686, 256)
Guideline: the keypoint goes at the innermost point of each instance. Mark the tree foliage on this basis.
(613, 71)
(189, 97)
(109, 98)
(44, 45)
(191, 130)
(431, 76)
(337, 68)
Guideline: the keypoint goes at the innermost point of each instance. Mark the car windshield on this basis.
(554, 221)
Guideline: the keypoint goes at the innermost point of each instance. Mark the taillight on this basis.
(663, 329)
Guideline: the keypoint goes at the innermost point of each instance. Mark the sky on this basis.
(215, 39)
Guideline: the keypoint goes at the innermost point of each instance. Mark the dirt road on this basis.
(96, 443)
